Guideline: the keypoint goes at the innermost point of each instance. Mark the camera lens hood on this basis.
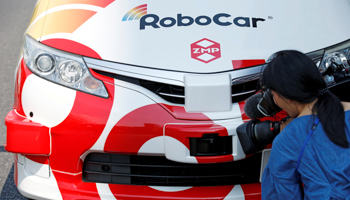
(246, 136)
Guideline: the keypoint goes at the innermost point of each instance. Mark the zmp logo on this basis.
(205, 50)
(221, 19)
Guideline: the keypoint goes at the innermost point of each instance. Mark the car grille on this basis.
(158, 171)
(176, 94)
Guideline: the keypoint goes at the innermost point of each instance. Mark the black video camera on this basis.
(255, 135)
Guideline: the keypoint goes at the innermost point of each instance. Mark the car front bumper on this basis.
(53, 128)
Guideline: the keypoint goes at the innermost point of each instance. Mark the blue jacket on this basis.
(324, 168)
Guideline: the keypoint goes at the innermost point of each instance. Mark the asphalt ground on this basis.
(14, 19)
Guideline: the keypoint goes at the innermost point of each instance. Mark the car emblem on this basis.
(205, 50)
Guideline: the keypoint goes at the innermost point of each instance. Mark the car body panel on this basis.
(109, 36)
(305, 24)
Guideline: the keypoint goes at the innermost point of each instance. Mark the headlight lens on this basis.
(333, 63)
(337, 58)
(70, 71)
(61, 67)
(45, 63)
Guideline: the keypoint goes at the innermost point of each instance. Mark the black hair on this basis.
(295, 76)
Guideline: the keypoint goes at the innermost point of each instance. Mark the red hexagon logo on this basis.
(205, 50)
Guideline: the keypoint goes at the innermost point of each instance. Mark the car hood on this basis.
(192, 36)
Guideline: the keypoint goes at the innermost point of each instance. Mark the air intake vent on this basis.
(176, 94)
(158, 171)
(171, 93)
(242, 91)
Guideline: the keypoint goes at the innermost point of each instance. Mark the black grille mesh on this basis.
(158, 171)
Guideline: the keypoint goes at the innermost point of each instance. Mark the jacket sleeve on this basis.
(280, 179)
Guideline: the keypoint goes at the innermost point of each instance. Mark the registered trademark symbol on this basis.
(270, 17)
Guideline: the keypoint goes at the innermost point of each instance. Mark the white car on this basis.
(141, 99)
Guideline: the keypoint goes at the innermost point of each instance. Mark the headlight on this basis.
(70, 72)
(333, 63)
(61, 67)
(45, 63)
(337, 58)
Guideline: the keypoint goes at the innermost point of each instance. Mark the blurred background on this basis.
(14, 19)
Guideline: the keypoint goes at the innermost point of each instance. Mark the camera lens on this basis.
(256, 135)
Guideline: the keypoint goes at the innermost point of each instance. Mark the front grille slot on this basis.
(176, 94)
(158, 171)
(242, 91)
(171, 93)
